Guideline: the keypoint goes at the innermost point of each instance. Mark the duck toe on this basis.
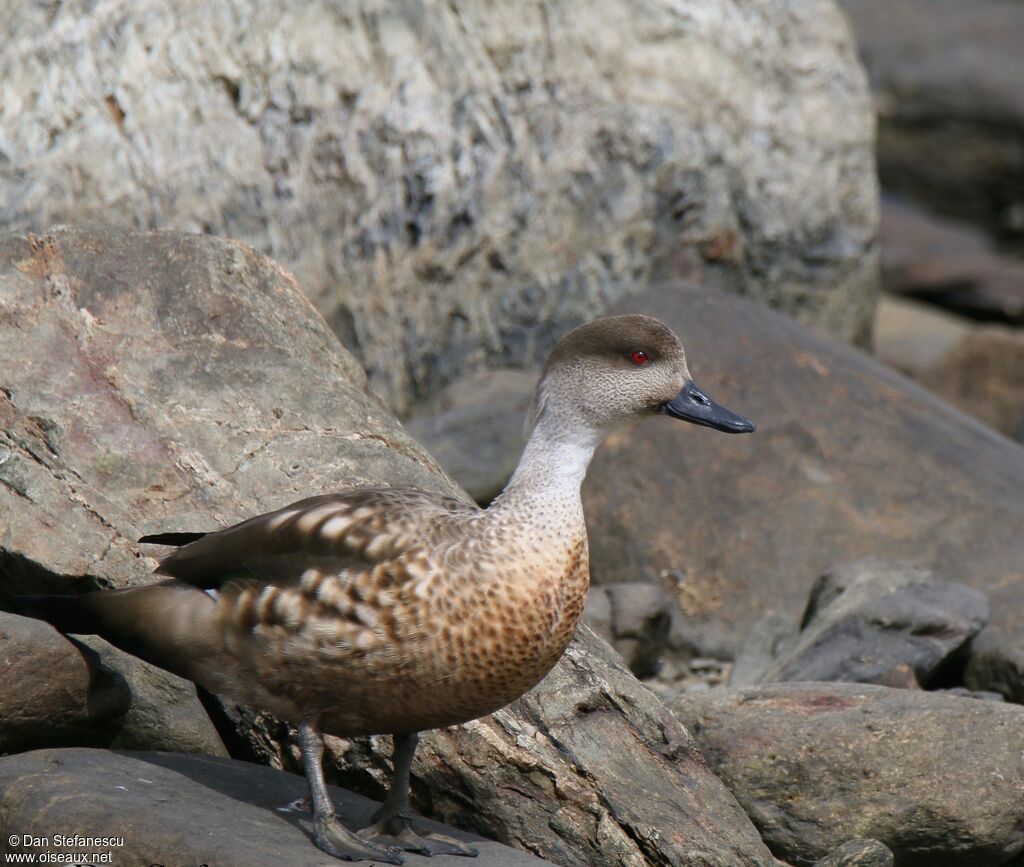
(335, 839)
(400, 829)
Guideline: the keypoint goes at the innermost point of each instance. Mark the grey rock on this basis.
(762, 645)
(191, 384)
(641, 618)
(997, 663)
(858, 853)
(870, 621)
(53, 691)
(913, 336)
(849, 457)
(164, 713)
(457, 183)
(946, 78)
(597, 613)
(475, 428)
(935, 778)
(169, 808)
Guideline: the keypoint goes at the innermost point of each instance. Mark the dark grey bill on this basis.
(691, 404)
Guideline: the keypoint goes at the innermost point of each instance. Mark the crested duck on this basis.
(394, 610)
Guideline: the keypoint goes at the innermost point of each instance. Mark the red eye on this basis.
(639, 357)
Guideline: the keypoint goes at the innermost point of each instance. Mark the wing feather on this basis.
(335, 531)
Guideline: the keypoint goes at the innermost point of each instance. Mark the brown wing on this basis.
(357, 527)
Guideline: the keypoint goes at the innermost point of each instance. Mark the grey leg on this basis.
(328, 833)
(393, 819)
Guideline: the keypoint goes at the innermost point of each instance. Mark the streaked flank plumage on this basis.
(394, 610)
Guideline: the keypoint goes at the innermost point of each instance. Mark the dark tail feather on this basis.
(69, 614)
(176, 540)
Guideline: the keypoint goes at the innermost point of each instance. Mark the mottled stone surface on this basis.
(180, 382)
(858, 853)
(848, 458)
(635, 618)
(936, 778)
(175, 809)
(459, 182)
(54, 692)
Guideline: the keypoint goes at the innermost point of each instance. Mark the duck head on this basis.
(618, 369)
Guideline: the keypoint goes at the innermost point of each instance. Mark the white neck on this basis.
(555, 460)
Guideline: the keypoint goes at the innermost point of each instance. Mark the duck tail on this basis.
(72, 615)
(169, 624)
(174, 540)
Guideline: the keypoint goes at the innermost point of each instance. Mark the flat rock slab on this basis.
(936, 778)
(158, 381)
(179, 809)
(849, 458)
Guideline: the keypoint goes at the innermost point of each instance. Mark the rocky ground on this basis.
(804, 647)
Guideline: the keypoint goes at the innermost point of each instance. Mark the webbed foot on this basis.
(400, 828)
(335, 839)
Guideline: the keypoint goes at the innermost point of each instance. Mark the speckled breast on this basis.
(507, 637)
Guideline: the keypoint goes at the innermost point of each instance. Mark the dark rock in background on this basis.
(635, 618)
(848, 458)
(178, 809)
(937, 779)
(457, 184)
(949, 264)
(182, 382)
(997, 663)
(871, 621)
(947, 82)
(54, 692)
(475, 428)
(763, 642)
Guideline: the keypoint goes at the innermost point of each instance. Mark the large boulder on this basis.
(936, 778)
(460, 182)
(160, 381)
(947, 82)
(849, 459)
(165, 712)
(165, 808)
(54, 692)
(877, 622)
